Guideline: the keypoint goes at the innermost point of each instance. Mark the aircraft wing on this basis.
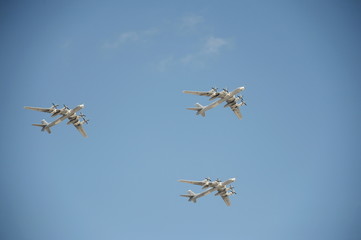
(226, 200)
(48, 110)
(200, 183)
(198, 93)
(237, 112)
(81, 130)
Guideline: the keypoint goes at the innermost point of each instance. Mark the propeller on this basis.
(225, 89)
(54, 106)
(208, 179)
(215, 89)
(218, 180)
(231, 187)
(83, 117)
(66, 107)
(242, 101)
(233, 192)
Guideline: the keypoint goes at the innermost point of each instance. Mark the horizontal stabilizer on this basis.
(192, 197)
(38, 125)
(190, 194)
(185, 196)
(195, 109)
(198, 108)
(43, 126)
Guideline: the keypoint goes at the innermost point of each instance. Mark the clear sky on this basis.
(296, 154)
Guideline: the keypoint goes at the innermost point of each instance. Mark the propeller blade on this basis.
(85, 120)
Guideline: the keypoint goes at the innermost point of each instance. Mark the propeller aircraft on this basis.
(218, 185)
(224, 96)
(67, 113)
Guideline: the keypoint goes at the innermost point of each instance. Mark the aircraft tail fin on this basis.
(191, 196)
(43, 126)
(198, 108)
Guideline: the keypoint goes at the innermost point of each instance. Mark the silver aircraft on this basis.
(224, 96)
(221, 187)
(66, 113)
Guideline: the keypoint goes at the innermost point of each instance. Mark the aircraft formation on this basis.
(229, 98)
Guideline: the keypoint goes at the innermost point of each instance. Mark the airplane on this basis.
(224, 95)
(218, 185)
(66, 112)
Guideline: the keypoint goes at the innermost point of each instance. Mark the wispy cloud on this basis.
(165, 63)
(213, 45)
(131, 36)
(191, 22)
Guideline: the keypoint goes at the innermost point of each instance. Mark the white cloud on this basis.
(165, 63)
(150, 31)
(210, 48)
(131, 36)
(190, 22)
(213, 45)
(122, 38)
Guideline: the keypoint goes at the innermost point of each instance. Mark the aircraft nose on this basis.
(233, 179)
(81, 105)
(241, 88)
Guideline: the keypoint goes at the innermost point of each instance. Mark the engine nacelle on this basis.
(229, 104)
(73, 119)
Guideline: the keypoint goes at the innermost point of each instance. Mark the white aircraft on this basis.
(218, 185)
(66, 112)
(224, 95)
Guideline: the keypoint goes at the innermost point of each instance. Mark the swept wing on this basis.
(80, 128)
(210, 93)
(47, 110)
(237, 112)
(226, 200)
(200, 183)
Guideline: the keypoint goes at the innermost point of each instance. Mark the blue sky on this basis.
(296, 153)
